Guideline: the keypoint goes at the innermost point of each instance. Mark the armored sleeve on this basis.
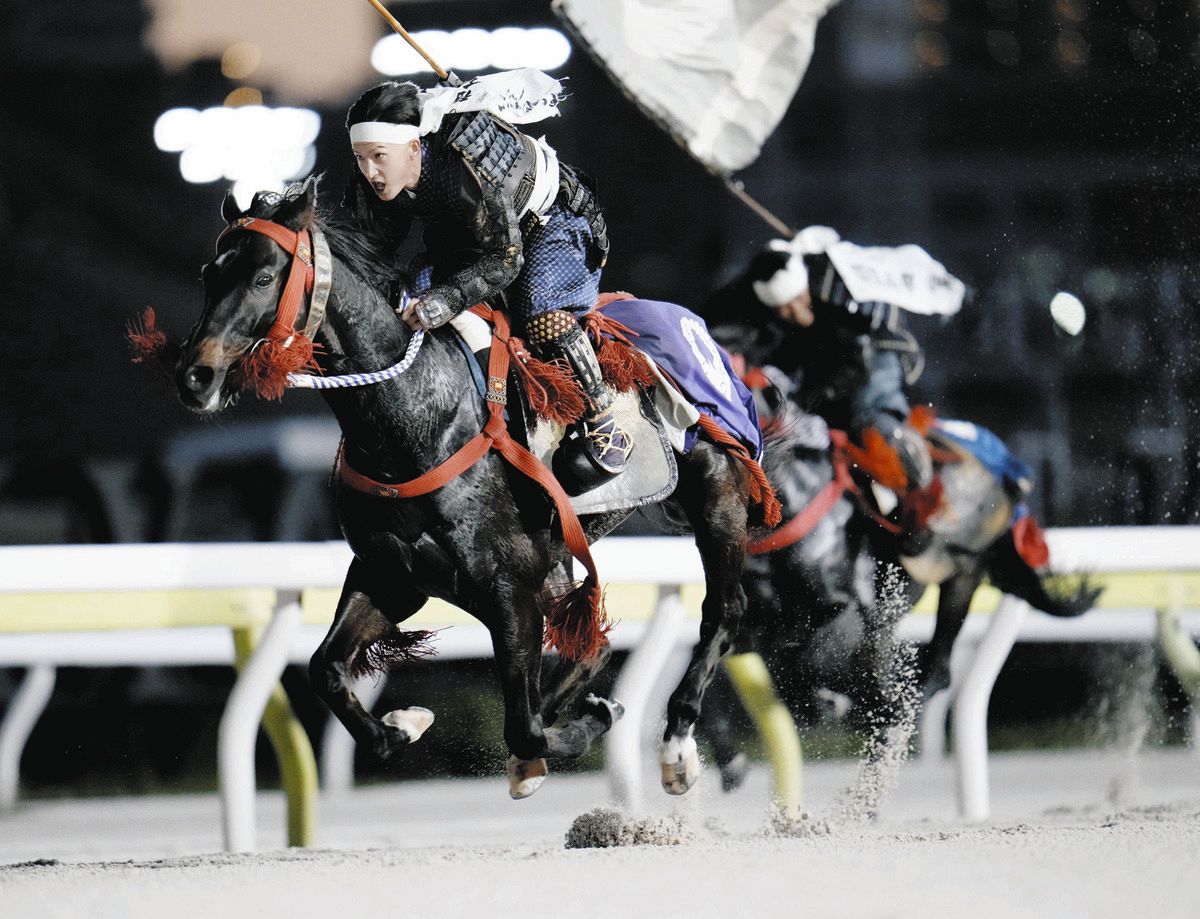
(495, 228)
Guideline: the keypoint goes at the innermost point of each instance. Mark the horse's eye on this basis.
(263, 280)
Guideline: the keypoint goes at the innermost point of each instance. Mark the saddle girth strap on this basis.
(494, 436)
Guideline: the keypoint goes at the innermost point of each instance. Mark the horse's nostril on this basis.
(198, 378)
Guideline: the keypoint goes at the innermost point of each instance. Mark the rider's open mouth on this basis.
(380, 187)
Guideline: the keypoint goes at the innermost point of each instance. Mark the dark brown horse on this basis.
(488, 541)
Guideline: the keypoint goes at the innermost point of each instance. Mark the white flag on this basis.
(905, 276)
(717, 74)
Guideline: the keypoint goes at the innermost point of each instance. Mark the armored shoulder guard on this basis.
(501, 156)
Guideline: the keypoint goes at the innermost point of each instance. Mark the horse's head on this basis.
(243, 286)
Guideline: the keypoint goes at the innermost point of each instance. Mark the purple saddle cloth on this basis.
(678, 341)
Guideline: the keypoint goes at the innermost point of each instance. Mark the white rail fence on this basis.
(176, 603)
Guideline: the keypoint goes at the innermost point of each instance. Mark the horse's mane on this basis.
(368, 256)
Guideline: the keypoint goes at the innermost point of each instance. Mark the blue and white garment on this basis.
(556, 274)
(993, 453)
(678, 341)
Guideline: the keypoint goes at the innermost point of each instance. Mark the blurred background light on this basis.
(1068, 312)
(240, 60)
(255, 147)
(469, 50)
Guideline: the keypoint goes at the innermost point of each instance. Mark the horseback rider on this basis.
(504, 220)
(848, 359)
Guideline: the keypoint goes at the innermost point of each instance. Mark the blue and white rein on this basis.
(345, 380)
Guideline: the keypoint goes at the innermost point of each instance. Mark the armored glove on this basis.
(428, 311)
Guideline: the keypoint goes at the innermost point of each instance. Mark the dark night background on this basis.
(1029, 145)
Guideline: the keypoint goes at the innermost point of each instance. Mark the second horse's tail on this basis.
(1043, 590)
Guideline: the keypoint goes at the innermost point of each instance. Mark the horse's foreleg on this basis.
(517, 641)
(366, 613)
(714, 497)
(954, 600)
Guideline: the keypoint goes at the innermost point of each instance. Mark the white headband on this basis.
(789, 281)
(383, 132)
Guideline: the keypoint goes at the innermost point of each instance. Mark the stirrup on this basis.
(595, 452)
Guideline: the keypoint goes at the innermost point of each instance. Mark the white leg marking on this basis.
(525, 776)
(680, 763)
(413, 721)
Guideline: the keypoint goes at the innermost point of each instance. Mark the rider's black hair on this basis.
(391, 101)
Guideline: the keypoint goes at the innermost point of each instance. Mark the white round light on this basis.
(1068, 312)
(202, 164)
(471, 50)
(548, 49)
(175, 128)
(508, 48)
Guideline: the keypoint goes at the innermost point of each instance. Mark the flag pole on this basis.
(391, 20)
(739, 191)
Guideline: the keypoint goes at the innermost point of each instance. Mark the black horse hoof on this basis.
(733, 773)
(607, 711)
(388, 741)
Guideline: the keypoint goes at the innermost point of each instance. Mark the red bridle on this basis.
(301, 275)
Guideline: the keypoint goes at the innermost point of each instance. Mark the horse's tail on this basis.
(1051, 593)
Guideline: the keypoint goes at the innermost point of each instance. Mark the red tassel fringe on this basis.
(1031, 542)
(879, 460)
(550, 386)
(148, 344)
(577, 625)
(265, 371)
(146, 340)
(921, 418)
(623, 368)
(920, 504)
(761, 491)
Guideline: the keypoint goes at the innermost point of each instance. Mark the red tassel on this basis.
(1031, 542)
(922, 418)
(920, 504)
(146, 340)
(623, 367)
(550, 386)
(761, 491)
(577, 625)
(266, 370)
(879, 460)
(763, 494)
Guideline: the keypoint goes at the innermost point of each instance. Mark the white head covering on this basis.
(383, 132)
(790, 281)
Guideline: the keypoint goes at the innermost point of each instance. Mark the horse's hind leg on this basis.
(714, 499)
(369, 610)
